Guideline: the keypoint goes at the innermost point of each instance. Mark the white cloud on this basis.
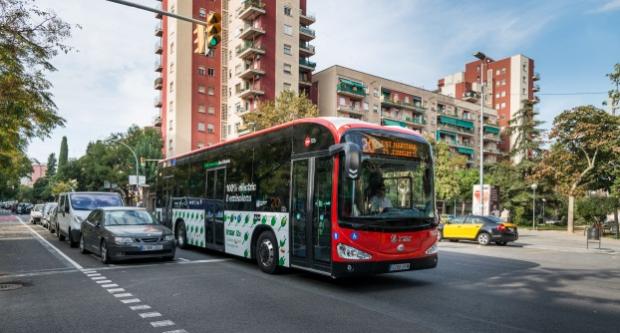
(609, 6)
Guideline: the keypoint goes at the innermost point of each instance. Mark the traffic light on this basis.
(200, 40)
(214, 27)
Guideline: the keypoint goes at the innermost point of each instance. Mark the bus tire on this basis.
(267, 252)
(181, 235)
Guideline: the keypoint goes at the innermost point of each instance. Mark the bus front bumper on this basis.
(344, 269)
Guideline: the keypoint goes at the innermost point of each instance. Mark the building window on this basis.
(504, 93)
(366, 106)
(210, 53)
(211, 110)
(497, 72)
(504, 70)
(171, 86)
(288, 11)
(497, 95)
(211, 91)
(287, 86)
(503, 105)
(172, 48)
(211, 72)
(201, 89)
(375, 109)
(287, 68)
(202, 71)
(201, 127)
(287, 49)
(201, 108)
(200, 145)
(171, 106)
(342, 101)
(171, 68)
(375, 92)
(288, 30)
(202, 12)
(210, 128)
(497, 106)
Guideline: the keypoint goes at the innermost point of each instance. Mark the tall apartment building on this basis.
(344, 92)
(508, 82)
(264, 50)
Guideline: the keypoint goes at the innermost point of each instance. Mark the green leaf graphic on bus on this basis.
(245, 237)
(247, 219)
(282, 223)
(263, 220)
(282, 242)
(245, 253)
(281, 261)
(273, 221)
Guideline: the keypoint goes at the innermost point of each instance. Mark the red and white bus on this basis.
(334, 196)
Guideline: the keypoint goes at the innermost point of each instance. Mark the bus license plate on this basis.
(152, 247)
(400, 267)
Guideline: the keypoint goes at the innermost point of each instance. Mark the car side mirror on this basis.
(352, 157)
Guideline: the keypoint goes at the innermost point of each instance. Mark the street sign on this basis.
(132, 180)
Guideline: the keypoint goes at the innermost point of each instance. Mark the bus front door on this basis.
(311, 181)
(214, 209)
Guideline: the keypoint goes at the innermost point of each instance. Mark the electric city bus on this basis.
(334, 196)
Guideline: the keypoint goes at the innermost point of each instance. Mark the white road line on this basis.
(150, 314)
(98, 278)
(116, 290)
(123, 295)
(103, 281)
(176, 331)
(183, 259)
(93, 274)
(45, 241)
(89, 271)
(130, 300)
(140, 307)
(203, 261)
(162, 323)
(111, 285)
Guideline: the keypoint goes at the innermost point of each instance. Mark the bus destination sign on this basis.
(383, 146)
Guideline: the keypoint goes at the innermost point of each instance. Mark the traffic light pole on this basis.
(157, 11)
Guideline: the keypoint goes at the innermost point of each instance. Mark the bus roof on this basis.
(336, 125)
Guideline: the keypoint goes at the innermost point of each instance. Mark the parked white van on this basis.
(74, 207)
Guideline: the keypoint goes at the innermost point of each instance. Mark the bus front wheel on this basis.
(267, 252)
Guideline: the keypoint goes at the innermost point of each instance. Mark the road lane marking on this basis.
(183, 259)
(123, 295)
(140, 307)
(150, 314)
(162, 323)
(116, 290)
(104, 281)
(176, 331)
(49, 245)
(92, 275)
(130, 300)
(98, 278)
(111, 285)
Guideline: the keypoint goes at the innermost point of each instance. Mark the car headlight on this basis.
(169, 237)
(349, 252)
(123, 240)
(433, 249)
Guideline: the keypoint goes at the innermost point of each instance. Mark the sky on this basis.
(107, 85)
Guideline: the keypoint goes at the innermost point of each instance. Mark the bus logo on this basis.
(394, 238)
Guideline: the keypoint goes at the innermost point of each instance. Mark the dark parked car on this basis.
(119, 233)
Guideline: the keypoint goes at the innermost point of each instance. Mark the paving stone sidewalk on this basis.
(565, 242)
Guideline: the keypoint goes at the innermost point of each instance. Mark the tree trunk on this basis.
(571, 206)
(616, 223)
(443, 207)
(462, 207)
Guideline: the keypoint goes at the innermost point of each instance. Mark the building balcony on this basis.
(157, 102)
(492, 150)
(158, 47)
(158, 66)
(536, 76)
(250, 32)
(491, 129)
(415, 121)
(250, 92)
(304, 81)
(467, 125)
(157, 121)
(243, 129)
(250, 72)
(350, 109)
(470, 96)
(305, 64)
(354, 91)
(306, 33)
(158, 83)
(305, 19)
(536, 88)
(417, 107)
(158, 29)
(306, 50)
(242, 111)
(249, 50)
(250, 9)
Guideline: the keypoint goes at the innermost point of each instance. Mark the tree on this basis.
(63, 157)
(528, 136)
(614, 93)
(51, 166)
(586, 139)
(447, 167)
(64, 186)
(288, 106)
(29, 38)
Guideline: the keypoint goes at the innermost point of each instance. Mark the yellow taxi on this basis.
(483, 229)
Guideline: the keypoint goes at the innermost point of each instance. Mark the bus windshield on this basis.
(395, 186)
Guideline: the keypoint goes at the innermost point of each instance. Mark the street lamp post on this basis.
(543, 209)
(483, 59)
(137, 170)
(534, 187)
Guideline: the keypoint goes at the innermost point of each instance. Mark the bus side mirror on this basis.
(352, 157)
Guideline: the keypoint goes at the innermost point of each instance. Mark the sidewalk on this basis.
(565, 242)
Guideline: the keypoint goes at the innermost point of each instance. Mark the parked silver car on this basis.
(48, 209)
(36, 213)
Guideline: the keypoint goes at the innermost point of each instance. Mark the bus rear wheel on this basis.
(266, 251)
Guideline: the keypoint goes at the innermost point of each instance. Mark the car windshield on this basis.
(93, 201)
(395, 186)
(128, 217)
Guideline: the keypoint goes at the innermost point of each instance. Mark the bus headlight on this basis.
(433, 249)
(348, 252)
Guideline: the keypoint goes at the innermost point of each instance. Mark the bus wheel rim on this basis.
(266, 253)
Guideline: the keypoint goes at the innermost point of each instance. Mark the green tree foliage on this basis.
(29, 39)
(51, 166)
(287, 107)
(63, 186)
(594, 210)
(447, 169)
(63, 157)
(614, 93)
(528, 136)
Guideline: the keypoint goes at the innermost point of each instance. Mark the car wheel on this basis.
(72, 242)
(181, 235)
(105, 255)
(61, 237)
(501, 243)
(83, 249)
(267, 252)
(483, 238)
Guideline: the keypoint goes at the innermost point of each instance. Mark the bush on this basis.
(594, 210)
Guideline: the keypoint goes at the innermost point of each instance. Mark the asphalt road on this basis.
(474, 289)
